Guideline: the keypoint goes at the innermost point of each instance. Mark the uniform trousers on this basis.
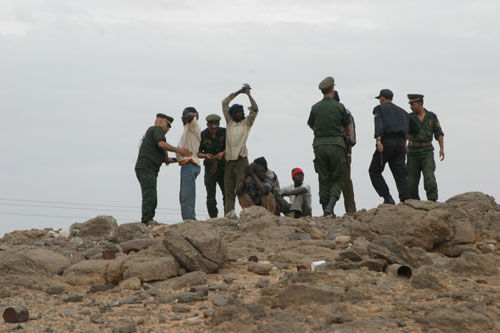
(422, 163)
(395, 154)
(147, 179)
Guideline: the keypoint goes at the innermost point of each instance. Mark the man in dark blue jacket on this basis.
(393, 126)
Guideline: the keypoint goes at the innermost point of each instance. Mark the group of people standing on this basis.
(226, 162)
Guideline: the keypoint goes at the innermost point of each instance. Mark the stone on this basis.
(388, 248)
(130, 231)
(475, 201)
(87, 272)
(426, 280)
(100, 288)
(55, 290)
(134, 245)
(337, 318)
(413, 228)
(262, 283)
(31, 234)
(297, 294)
(259, 268)
(342, 239)
(148, 268)
(100, 226)
(133, 283)
(29, 260)
(196, 246)
(130, 328)
(181, 308)
(255, 219)
(470, 263)
(73, 299)
(190, 279)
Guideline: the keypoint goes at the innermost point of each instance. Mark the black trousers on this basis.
(395, 154)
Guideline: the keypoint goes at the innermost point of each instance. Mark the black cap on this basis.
(262, 161)
(386, 93)
(169, 119)
(415, 98)
(235, 108)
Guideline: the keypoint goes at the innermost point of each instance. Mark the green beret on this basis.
(212, 117)
(415, 98)
(169, 119)
(327, 83)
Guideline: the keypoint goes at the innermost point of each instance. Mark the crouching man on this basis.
(299, 194)
(257, 188)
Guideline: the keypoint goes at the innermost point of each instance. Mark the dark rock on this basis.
(133, 300)
(130, 328)
(224, 299)
(100, 288)
(73, 299)
(426, 280)
(262, 283)
(208, 313)
(97, 319)
(148, 268)
(190, 297)
(181, 308)
(349, 255)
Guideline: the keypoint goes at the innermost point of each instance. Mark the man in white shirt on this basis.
(300, 196)
(237, 130)
(190, 166)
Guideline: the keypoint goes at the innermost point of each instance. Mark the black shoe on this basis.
(330, 206)
(389, 200)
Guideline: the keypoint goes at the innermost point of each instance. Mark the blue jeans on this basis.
(187, 194)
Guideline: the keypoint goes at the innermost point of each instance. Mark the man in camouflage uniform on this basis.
(421, 151)
(330, 123)
(213, 144)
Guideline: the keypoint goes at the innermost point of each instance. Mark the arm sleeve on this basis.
(436, 128)
(225, 107)
(158, 135)
(379, 122)
(251, 117)
(310, 121)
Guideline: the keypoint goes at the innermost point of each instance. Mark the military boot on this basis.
(389, 200)
(330, 206)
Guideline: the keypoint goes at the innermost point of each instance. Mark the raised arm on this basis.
(254, 109)
(225, 104)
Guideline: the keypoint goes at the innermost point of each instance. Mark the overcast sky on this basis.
(81, 81)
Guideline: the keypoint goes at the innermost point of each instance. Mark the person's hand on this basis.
(441, 154)
(184, 152)
(209, 156)
(172, 160)
(246, 88)
(220, 156)
(380, 146)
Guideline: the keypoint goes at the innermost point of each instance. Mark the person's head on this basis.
(326, 86)
(262, 161)
(416, 102)
(164, 121)
(188, 114)
(259, 170)
(297, 176)
(213, 123)
(385, 96)
(236, 112)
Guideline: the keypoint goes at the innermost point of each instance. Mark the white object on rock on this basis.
(316, 264)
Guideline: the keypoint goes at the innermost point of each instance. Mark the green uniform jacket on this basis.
(211, 145)
(150, 155)
(327, 119)
(429, 126)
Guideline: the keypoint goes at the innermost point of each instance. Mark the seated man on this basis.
(300, 196)
(258, 188)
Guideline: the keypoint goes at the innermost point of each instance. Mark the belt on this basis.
(419, 144)
(330, 136)
(186, 161)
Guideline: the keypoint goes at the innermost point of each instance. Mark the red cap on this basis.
(296, 171)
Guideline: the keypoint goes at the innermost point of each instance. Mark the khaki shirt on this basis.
(190, 140)
(237, 133)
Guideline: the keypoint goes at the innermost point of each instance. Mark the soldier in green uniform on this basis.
(421, 151)
(327, 119)
(213, 145)
(152, 153)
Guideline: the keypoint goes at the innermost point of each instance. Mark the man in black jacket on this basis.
(393, 126)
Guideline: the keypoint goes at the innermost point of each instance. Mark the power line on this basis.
(205, 213)
(72, 217)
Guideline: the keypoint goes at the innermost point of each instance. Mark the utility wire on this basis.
(72, 217)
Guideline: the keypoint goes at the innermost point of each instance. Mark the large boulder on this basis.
(475, 201)
(100, 226)
(412, 227)
(130, 231)
(87, 272)
(148, 268)
(256, 219)
(196, 246)
(29, 260)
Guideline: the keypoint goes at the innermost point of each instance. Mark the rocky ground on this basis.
(225, 275)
